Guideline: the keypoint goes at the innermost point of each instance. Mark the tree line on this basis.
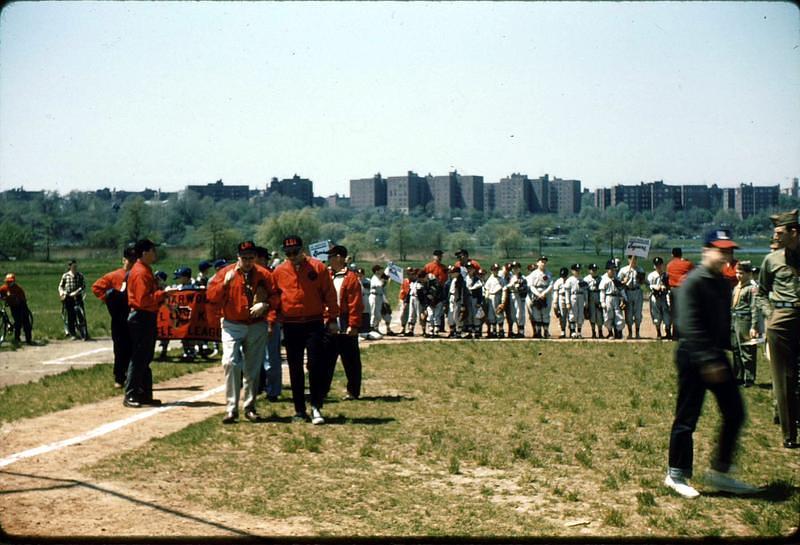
(30, 228)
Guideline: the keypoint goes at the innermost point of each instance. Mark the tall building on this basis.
(565, 197)
(490, 196)
(445, 192)
(404, 193)
(514, 195)
(695, 196)
(295, 187)
(540, 195)
(793, 190)
(602, 198)
(218, 191)
(368, 192)
(471, 192)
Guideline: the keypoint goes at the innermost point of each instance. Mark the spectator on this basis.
(14, 296)
(72, 290)
(345, 342)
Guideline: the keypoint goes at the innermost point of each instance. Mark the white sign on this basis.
(639, 247)
(319, 250)
(394, 272)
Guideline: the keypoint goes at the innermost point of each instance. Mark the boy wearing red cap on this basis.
(14, 296)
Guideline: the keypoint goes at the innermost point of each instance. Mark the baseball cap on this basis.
(204, 265)
(292, 241)
(438, 252)
(247, 247)
(658, 261)
(575, 267)
(160, 274)
(611, 264)
(10, 278)
(219, 263)
(719, 238)
(182, 271)
(542, 258)
(337, 250)
(593, 267)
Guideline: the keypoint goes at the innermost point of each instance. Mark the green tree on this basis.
(302, 223)
(509, 243)
(15, 240)
(134, 222)
(458, 240)
(400, 238)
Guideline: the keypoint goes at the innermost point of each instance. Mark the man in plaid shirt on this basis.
(71, 290)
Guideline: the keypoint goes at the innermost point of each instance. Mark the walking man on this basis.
(704, 323)
(779, 289)
(111, 288)
(307, 295)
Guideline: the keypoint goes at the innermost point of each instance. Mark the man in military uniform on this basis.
(779, 291)
(659, 289)
(744, 325)
(632, 276)
(593, 307)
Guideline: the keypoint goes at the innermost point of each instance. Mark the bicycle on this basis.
(6, 326)
(81, 327)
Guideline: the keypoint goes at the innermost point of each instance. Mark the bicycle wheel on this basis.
(65, 319)
(81, 329)
(5, 327)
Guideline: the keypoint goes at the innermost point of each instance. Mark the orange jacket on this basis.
(677, 269)
(307, 293)
(233, 300)
(13, 295)
(405, 287)
(350, 300)
(438, 270)
(143, 292)
(109, 281)
(729, 273)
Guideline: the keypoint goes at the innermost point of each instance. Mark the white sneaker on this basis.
(725, 483)
(374, 336)
(316, 416)
(680, 486)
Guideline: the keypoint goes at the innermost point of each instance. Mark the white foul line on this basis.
(75, 356)
(104, 429)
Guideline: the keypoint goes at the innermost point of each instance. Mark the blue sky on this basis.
(165, 94)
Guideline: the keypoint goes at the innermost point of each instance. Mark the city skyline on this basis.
(165, 95)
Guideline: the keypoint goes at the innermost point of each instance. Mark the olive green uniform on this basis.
(744, 316)
(779, 291)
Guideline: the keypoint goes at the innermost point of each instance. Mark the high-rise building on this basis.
(565, 197)
(404, 193)
(540, 195)
(445, 192)
(295, 187)
(490, 197)
(471, 192)
(513, 195)
(368, 192)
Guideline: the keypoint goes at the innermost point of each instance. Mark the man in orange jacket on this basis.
(14, 296)
(677, 270)
(144, 298)
(306, 295)
(111, 288)
(351, 305)
(243, 291)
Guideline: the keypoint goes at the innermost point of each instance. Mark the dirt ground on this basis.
(45, 493)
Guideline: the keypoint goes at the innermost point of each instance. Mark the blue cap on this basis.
(719, 238)
(219, 263)
(203, 265)
(161, 274)
(183, 271)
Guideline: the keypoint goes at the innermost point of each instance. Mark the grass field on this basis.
(480, 439)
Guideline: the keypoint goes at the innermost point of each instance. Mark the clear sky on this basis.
(165, 94)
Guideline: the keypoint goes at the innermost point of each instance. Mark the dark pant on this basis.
(69, 305)
(142, 330)
(308, 337)
(691, 392)
(122, 347)
(784, 351)
(346, 346)
(22, 320)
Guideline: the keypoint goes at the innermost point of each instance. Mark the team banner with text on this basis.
(186, 315)
(638, 246)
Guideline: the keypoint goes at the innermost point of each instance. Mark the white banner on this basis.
(319, 250)
(640, 247)
(395, 272)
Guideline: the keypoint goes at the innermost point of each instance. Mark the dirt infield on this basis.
(46, 494)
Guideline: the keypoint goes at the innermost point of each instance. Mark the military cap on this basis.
(744, 266)
(785, 218)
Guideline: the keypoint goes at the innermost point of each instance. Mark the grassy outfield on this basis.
(75, 387)
(481, 439)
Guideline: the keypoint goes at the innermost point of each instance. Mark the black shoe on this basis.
(132, 403)
(300, 417)
(230, 418)
(251, 415)
(791, 444)
(272, 399)
(153, 402)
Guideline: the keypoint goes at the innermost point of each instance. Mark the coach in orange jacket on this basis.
(111, 288)
(243, 290)
(144, 298)
(306, 294)
(351, 305)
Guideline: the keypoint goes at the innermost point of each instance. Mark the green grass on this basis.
(75, 387)
(422, 454)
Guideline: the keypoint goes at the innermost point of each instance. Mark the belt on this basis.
(741, 313)
(785, 304)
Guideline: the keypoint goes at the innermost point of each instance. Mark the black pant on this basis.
(346, 346)
(307, 337)
(142, 330)
(122, 347)
(22, 320)
(69, 305)
(691, 392)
